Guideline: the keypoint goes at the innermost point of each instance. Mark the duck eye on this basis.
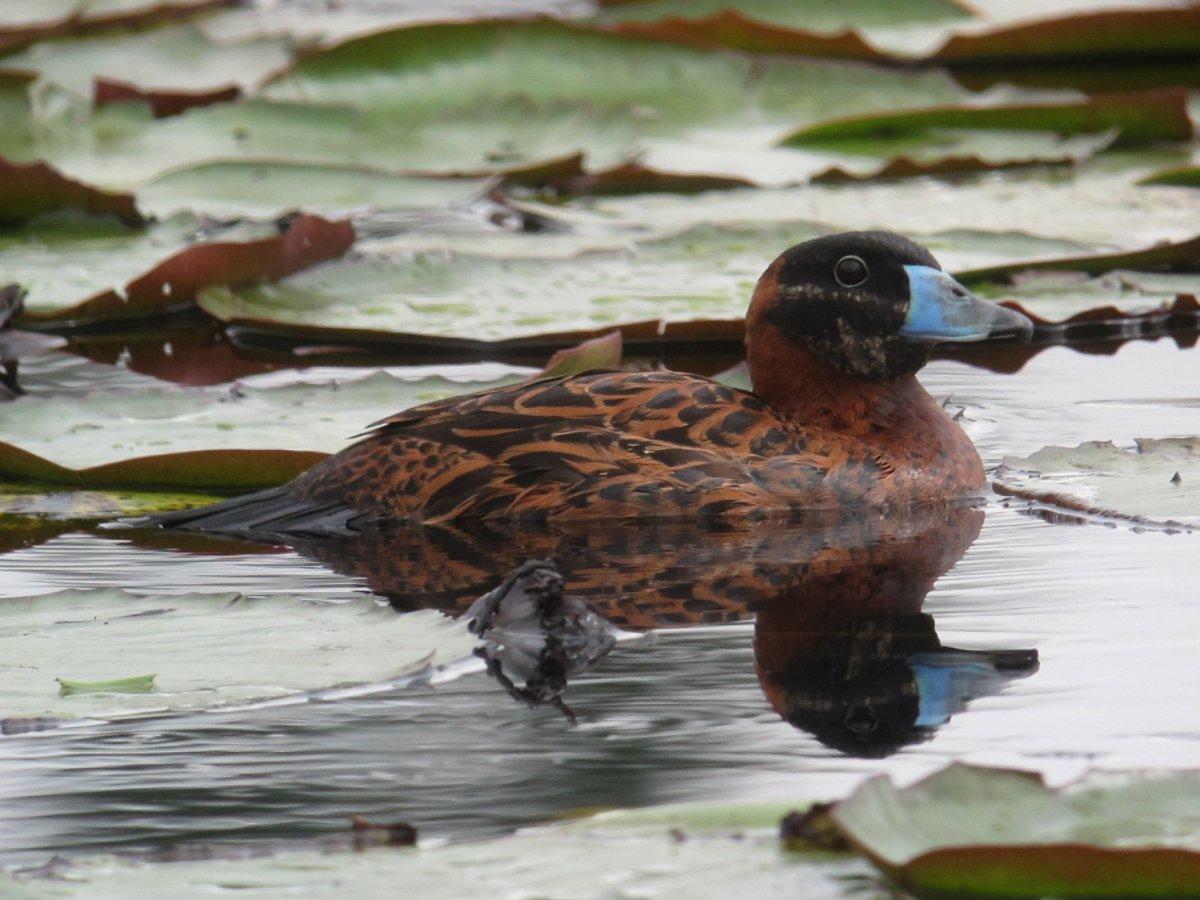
(850, 271)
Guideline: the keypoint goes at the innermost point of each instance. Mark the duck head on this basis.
(868, 305)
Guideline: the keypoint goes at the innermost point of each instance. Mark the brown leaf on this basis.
(162, 103)
(29, 189)
(174, 283)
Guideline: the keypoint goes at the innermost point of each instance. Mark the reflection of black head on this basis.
(856, 693)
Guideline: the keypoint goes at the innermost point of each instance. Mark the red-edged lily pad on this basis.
(34, 188)
(975, 832)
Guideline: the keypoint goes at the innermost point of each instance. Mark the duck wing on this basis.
(602, 444)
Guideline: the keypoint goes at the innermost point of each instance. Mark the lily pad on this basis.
(162, 103)
(596, 857)
(1164, 32)
(1138, 117)
(137, 684)
(99, 259)
(703, 274)
(207, 650)
(1158, 482)
(22, 22)
(177, 58)
(975, 832)
(30, 190)
(1183, 176)
(36, 502)
(201, 438)
(687, 285)
(266, 188)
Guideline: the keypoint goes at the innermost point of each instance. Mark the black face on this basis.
(844, 298)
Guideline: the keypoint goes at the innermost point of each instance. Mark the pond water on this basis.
(771, 664)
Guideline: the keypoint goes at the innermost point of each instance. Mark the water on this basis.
(851, 631)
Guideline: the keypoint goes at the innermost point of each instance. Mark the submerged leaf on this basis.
(974, 832)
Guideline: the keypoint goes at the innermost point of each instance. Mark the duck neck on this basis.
(801, 388)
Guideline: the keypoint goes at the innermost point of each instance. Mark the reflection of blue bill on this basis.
(946, 683)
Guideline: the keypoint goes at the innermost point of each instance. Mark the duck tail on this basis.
(272, 512)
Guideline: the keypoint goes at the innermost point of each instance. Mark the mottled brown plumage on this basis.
(837, 420)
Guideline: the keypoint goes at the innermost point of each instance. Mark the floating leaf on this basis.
(686, 286)
(206, 649)
(1139, 117)
(215, 439)
(177, 59)
(1177, 256)
(30, 190)
(599, 353)
(36, 502)
(600, 855)
(162, 103)
(703, 274)
(267, 188)
(138, 684)
(906, 167)
(173, 283)
(973, 832)
(1184, 176)
(1101, 36)
(1156, 483)
(22, 24)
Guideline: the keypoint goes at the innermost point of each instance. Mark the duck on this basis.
(836, 331)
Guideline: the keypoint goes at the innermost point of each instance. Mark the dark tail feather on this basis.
(275, 511)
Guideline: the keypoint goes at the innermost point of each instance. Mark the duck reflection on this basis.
(842, 648)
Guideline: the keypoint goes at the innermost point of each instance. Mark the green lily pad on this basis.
(1156, 483)
(36, 502)
(207, 650)
(486, 96)
(201, 438)
(171, 58)
(816, 15)
(22, 22)
(703, 274)
(1182, 176)
(83, 272)
(590, 858)
(267, 188)
(1137, 117)
(138, 684)
(690, 284)
(975, 832)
